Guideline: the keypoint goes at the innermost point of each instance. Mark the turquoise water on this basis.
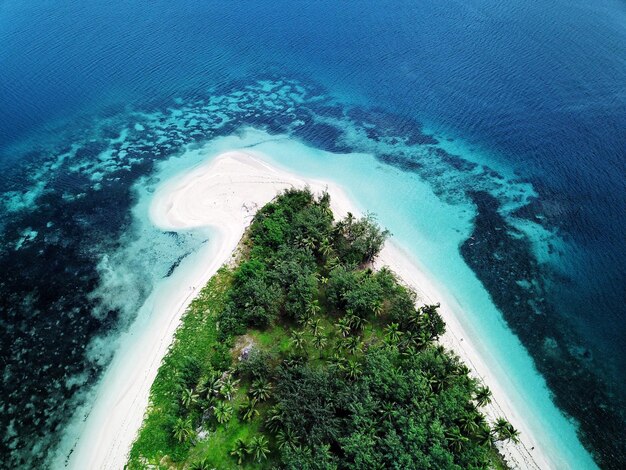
(435, 248)
(497, 129)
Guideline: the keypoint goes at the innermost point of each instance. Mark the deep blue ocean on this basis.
(479, 92)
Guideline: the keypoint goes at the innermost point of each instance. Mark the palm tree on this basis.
(483, 396)
(261, 389)
(189, 397)
(479, 419)
(316, 327)
(320, 341)
(353, 344)
(305, 242)
(213, 388)
(286, 438)
(344, 326)
(483, 437)
(420, 339)
(304, 319)
(462, 370)
(228, 388)
(325, 204)
(353, 369)
(408, 351)
(434, 383)
(325, 247)
(202, 386)
(294, 359)
(183, 429)
(223, 412)
(513, 434)
(505, 431)
(248, 410)
(431, 321)
(297, 339)
(323, 454)
(393, 333)
(337, 361)
(455, 439)
(258, 447)
(333, 262)
(240, 450)
(356, 322)
(500, 426)
(274, 419)
(413, 320)
(378, 308)
(349, 220)
(388, 411)
(468, 424)
(313, 308)
(301, 240)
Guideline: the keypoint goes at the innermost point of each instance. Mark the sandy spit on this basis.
(224, 194)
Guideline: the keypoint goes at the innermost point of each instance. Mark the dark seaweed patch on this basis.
(454, 161)
(501, 259)
(322, 136)
(400, 161)
(380, 124)
(175, 264)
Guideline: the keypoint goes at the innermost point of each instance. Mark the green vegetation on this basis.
(303, 357)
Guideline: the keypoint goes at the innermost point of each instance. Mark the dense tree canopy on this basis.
(315, 361)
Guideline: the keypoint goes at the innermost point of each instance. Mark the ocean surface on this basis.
(493, 144)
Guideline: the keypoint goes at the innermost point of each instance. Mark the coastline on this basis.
(224, 194)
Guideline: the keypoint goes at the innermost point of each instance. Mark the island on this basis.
(298, 353)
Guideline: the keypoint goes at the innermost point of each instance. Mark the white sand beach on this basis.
(224, 194)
